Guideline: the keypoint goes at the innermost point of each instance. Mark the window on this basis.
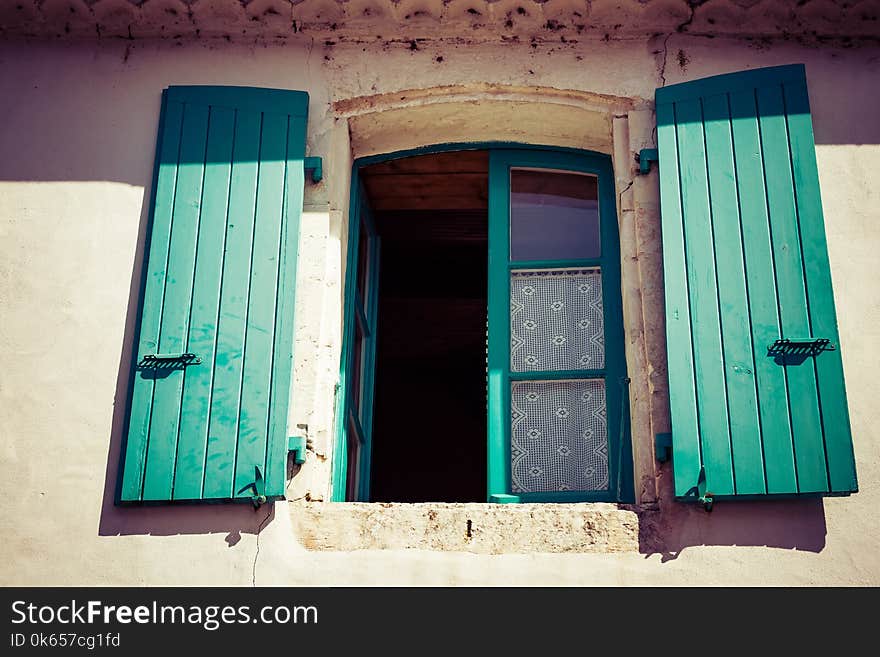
(758, 404)
(557, 375)
(358, 404)
(518, 247)
(492, 349)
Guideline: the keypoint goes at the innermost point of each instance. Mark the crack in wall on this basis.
(692, 7)
(257, 552)
(620, 197)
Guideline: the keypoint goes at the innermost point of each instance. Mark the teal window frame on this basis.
(362, 313)
(503, 155)
(500, 376)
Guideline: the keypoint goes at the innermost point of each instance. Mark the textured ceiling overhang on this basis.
(530, 20)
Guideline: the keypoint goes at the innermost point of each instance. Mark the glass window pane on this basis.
(363, 263)
(559, 436)
(556, 320)
(554, 215)
(353, 451)
(356, 368)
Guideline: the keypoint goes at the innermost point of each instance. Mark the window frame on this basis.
(500, 377)
(359, 313)
(498, 438)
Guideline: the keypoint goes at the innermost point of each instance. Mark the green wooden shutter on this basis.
(746, 264)
(220, 280)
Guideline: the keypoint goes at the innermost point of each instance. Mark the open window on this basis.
(483, 353)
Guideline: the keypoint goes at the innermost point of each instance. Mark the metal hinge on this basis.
(297, 446)
(644, 157)
(316, 166)
(663, 447)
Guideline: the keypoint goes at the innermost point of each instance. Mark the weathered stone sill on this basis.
(473, 527)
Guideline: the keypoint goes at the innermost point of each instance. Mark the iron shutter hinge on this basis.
(297, 446)
(316, 166)
(663, 446)
(644, 157)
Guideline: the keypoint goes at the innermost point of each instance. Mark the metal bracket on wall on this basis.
(297, 445)
(316, 166)
(663, 447)
(644, 157)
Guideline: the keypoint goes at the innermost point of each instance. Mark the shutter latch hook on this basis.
(705, 497)
(259, 497)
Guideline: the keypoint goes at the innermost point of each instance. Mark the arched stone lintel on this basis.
(416, 118)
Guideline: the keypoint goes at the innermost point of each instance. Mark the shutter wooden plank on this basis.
(232, 319)
(206, 300)
(745, 430)
(702, 282)
(730, 83)
(802, 394)
(245, 99)
(260, 337)
(165, 422)
(682, 395)
(823, 318)
(770, 378)
(789, 425)
(159, 235)
(276, 459)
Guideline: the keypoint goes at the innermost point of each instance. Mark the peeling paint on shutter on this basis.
(209, 400)
(746, 265)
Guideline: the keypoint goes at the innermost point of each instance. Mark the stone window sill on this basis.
(471, 527)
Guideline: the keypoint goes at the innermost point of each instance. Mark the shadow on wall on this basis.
(105, 128)
(160, 520)
(797, 524)
(125, 154)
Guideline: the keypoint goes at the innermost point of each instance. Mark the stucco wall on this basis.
(77, 144)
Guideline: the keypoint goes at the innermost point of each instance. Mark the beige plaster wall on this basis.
(77, 141)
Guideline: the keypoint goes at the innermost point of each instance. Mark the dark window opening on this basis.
(429, 413)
